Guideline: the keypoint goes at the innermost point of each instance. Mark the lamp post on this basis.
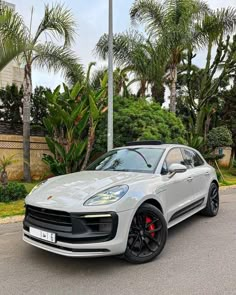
(110, 80)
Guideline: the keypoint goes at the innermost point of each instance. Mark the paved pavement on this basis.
(199, 258)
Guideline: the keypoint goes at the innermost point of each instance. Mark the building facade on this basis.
(13, 73)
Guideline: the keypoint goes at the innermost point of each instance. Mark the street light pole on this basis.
(110, 80)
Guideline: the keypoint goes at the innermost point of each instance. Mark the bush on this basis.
(12, 192)
(139, 120)
(219, 137)
(234, 164)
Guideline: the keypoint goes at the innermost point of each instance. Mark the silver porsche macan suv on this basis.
(123, 204)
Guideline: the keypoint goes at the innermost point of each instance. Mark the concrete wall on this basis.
(12, 145)
(227, 152)
(12, 74)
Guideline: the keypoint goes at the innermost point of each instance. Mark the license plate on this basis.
(43, 235)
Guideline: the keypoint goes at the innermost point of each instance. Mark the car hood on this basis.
(71, 190)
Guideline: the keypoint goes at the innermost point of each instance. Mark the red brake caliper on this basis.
(151, 227)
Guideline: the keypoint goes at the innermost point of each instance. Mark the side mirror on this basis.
(176, 168)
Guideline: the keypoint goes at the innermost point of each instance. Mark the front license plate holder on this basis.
(42, 235)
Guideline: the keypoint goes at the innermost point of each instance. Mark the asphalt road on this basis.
(199, 258)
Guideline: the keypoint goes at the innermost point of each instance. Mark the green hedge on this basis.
(138, 119)
(12, 192)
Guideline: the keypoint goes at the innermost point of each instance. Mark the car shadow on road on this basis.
(98, 266)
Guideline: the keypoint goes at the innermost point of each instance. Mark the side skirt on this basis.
(187, 209)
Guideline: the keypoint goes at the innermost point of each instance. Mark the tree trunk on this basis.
(207, 125)
(142, 90)
(158, 93)
(27, 88)
(4, 178)
(199, 129)
(91, 138)
(173, 79)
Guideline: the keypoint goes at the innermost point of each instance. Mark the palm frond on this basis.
(216, 23)
(9, 51)
(12, 26)
(226, 18)
(54, 58)
(13, 36)
(58, 21)
(148, 12)
(123, 46)
(75, 74)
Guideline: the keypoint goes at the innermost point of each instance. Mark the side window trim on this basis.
(168, 155)
(185, 158)
(195, 153)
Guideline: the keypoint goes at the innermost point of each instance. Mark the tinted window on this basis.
(192, 159)
(174, 157)
(129, 159)
(188, 158)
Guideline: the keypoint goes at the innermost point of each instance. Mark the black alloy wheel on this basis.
(213, 202)
(147, 236)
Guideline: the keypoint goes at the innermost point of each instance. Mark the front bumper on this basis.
(83, 244)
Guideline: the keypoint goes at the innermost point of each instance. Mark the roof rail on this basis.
(145, 142)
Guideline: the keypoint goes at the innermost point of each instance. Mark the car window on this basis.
(136, 159)
(174, 157)
(192, 159)
(188, 158)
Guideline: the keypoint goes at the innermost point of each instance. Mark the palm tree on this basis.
(138, 55)
(121, 80)
(4, 163)
(57, 23)
(172, 24)
(216, 29)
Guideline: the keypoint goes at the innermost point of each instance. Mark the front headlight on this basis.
(37, 186)
(108, 196)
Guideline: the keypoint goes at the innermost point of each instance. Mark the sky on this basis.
(92, 22)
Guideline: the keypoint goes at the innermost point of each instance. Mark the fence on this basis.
(13, 145)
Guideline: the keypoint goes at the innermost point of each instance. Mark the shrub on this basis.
(234, 164)
(71, 123)
(139, 120)
(219, 137)
(12, 192)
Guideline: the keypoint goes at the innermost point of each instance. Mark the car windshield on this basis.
(138, 159)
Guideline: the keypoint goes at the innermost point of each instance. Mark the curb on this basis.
(15, 219)
(224, 188)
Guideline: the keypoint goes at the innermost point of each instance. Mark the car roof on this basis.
(160, 146)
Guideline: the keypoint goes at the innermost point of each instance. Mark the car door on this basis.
(200, 172)
(179, 188)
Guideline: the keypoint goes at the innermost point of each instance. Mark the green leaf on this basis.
(80, 127)
(56, 93)
(104, 81)
(79, 110)
(76, 90)
(48, 125)
(93, 107)
(61, 150)
(79, 149)
(51, 144)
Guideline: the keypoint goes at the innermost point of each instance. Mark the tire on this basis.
(147, 235)
(213, 204)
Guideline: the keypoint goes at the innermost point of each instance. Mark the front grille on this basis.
(73, 227)
(49, 216)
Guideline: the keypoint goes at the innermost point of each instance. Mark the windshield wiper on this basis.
(134, 150)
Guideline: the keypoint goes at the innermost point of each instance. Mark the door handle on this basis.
(189, 179)
(207, 173)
